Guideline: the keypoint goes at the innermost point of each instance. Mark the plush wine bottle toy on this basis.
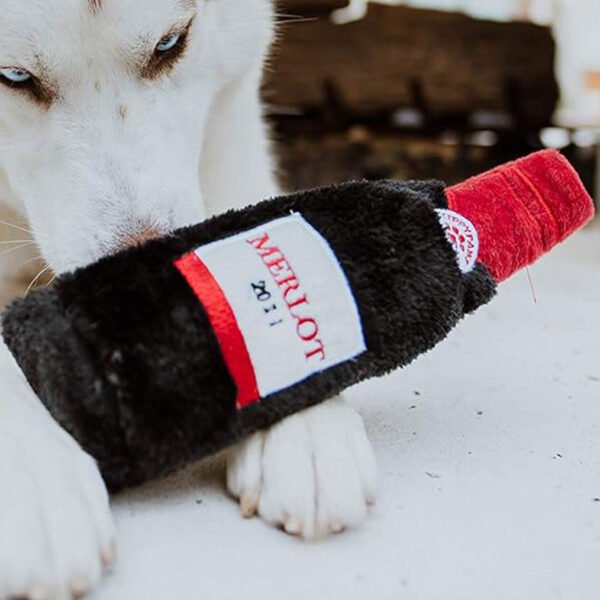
(171, 351)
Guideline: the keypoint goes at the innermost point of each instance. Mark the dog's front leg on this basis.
(314, 473)
(56, 531)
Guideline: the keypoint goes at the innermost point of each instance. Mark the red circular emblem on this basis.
(461, 233)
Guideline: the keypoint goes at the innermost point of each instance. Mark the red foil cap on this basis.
(522, 210)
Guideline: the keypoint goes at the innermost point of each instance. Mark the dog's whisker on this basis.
(36, 279)
(284, 19)
(15, 248)
(27, 262)
(18, 227)
(6, 242)
(295, 21)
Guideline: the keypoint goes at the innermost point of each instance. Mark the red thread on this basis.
(224, 324)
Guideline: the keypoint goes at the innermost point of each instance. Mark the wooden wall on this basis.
(445, 62)
(335, 92)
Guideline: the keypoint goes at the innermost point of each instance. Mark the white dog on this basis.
(121, 120)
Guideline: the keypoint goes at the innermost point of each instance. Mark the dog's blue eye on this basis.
(15, 75)
(168, 43)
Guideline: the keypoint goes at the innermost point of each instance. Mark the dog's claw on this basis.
(38, 593)
(79, 588)
(292, 526)
(109, 555)
(248, 505)
(336, 527)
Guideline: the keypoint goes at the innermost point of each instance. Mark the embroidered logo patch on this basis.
(461, 233)
(279, 303)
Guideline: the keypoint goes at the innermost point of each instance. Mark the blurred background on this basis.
(433, 88)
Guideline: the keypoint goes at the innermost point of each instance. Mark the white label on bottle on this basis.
(290, 300)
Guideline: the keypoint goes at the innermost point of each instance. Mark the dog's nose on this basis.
(140, 237)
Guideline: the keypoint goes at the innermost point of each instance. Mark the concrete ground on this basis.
(489, 449)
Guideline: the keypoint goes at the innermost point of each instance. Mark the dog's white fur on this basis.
(110, 158)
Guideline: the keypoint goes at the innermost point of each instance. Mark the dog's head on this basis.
(103, 106)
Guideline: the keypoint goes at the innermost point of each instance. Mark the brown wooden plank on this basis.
(456, 63)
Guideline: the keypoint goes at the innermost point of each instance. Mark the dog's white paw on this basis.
(313, 474)
(56, 531)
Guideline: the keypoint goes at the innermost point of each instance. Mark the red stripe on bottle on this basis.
(224, 324)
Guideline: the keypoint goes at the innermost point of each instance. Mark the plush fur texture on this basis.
(129, 337)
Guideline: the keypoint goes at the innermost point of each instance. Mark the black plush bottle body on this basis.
(125, 356)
